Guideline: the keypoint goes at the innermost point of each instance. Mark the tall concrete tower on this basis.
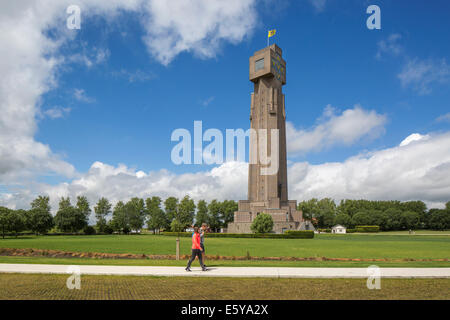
(267, 175)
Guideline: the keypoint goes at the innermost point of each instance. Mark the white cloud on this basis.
(413, 137)
(134, 76)
(390, 46)
(414, 171)
(32, 33)
(319, 5)
(207, 102)
(422, 74)
(90, 57)
(56, 112)
(333, 129)
(81, 96)
(444, 118)
(418, 170)
(196, 26)
(229, 181)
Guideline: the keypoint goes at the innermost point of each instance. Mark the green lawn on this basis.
(224, 263)
(333, 246)
(324, 245)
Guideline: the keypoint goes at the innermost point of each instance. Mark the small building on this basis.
(338, 229)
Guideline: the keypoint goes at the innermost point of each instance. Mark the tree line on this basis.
(388, 215)
(177, 214)
(171, 214)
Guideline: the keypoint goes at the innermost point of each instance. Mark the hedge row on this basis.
(287, 235)
(367, 228)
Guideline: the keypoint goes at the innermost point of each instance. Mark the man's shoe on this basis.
(188, 269)
(204, 269)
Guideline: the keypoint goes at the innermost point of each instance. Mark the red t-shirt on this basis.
(196, 241)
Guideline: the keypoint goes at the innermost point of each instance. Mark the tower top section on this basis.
(268, 62)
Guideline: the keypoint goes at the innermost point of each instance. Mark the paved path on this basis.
(229, 271)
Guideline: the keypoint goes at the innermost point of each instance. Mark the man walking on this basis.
(202, 240)
(196, 251)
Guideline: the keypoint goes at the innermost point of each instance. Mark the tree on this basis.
(394, 217)
(41, 221)
(439, 219)
(183, 217)
(69, 218)
(4, 220)
(308, 208)
(119, 221)
(410, 220)
(214, 214)
(135, 210)
(83, 207)
(361, 218)
(102, 209)
(41, 202)
(343, 219)
(202, 213)
(16, 222)
(228, 209)
(156, 216)
(263, 223)
(171, 206)
(186, 211)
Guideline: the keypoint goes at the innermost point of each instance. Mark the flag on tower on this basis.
(271, 33)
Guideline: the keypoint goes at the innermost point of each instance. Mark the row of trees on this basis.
(133, 215)
(389, 215)
(176, 215)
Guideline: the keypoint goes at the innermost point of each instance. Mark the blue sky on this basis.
(115, 101)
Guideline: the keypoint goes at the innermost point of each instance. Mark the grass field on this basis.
(30, 286)
(323, 245)
(223, 263)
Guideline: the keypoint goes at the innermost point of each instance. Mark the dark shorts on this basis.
(203, 247)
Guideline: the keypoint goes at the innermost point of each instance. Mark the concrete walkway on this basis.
(228, 271)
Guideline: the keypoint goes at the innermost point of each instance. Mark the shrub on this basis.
(306, 234)
(108, 229)
(367, 228)
(351, 230)
(263, 223)
(89, 230)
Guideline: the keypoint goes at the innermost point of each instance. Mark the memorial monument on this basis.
(267, 188)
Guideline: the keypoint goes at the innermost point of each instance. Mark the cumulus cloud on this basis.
(195, 26)
(228, 181)
(335, 128)
(33, 32)
(413, 137)
(417, 170)
(420, 75)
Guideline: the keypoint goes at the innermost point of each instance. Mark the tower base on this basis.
(285, 215)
